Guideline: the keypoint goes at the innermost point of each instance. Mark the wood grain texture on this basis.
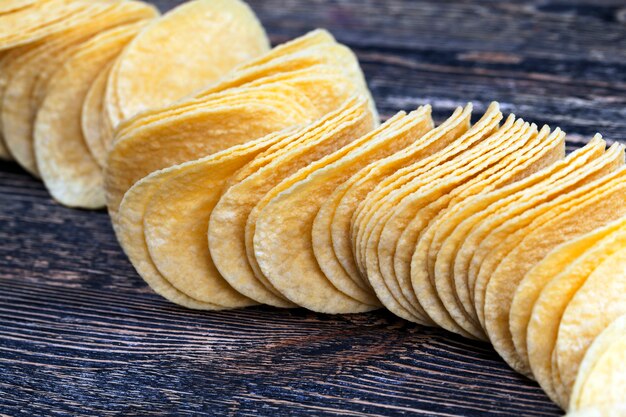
(81, 334)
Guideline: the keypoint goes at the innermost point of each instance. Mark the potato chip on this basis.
(322, 87)
(417, 204)
(13, 62)
(45, 18)
(540, 151)
(347, 197)
(541, 274)
(460, 253)
(227, 227)
(322, 241)
(212, 127)
(600, 380)
(513, 231)
(540, 237)
(365, 219)
(490, 240)
(66, 166)
(553, 300)
(393, 189)
(296, 56)
(30, 75)
(162, 264)
(324, 70)
(91, 118)
(418, 123)
(247, 73)
(598, 302)
(455, 224)
(212, 37)
(292, 267)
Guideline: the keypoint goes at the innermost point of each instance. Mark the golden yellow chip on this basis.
(187, 48)
(601, 377)
(450, 234)
(541, 150)
(555, 295)
(491, 240)
(347, 197)
(418, 123)
(227, 227)
(241, 116)
(289, 216)
(162, 226)
(540, 237)
(368, 214)
(392, 190)
(30, 74)
(66, 166)
(390, 256)
(540, 275)
(598, 302)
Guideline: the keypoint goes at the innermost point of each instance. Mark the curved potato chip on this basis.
(452, 225)
(489, 242)
(66, 166)
(390, 255)
(392, 190)
(247, 74)
(542, 150)
(45, 18)
(596, 383)
(471, 231)
(450, 236)
(30, 77)
(350, 194)
(210, 128)
(366, 219)
(292, 267)
(598, 302)
(227, 227)
(419, 122)
(322, 87)
(144, 198)
(553, 299)
(538, 241)
(541, 274)
(212, 37)
(505, 162)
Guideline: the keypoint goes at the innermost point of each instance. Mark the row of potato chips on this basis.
(459, 225)
(237, 175)
(72, 70)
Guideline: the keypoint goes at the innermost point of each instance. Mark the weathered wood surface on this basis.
(81, 334)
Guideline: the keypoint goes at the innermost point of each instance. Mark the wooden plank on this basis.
(81, 334)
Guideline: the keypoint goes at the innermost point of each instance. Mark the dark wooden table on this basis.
(81, 334)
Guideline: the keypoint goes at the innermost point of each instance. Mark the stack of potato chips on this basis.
(237, 175)
(72, 70)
